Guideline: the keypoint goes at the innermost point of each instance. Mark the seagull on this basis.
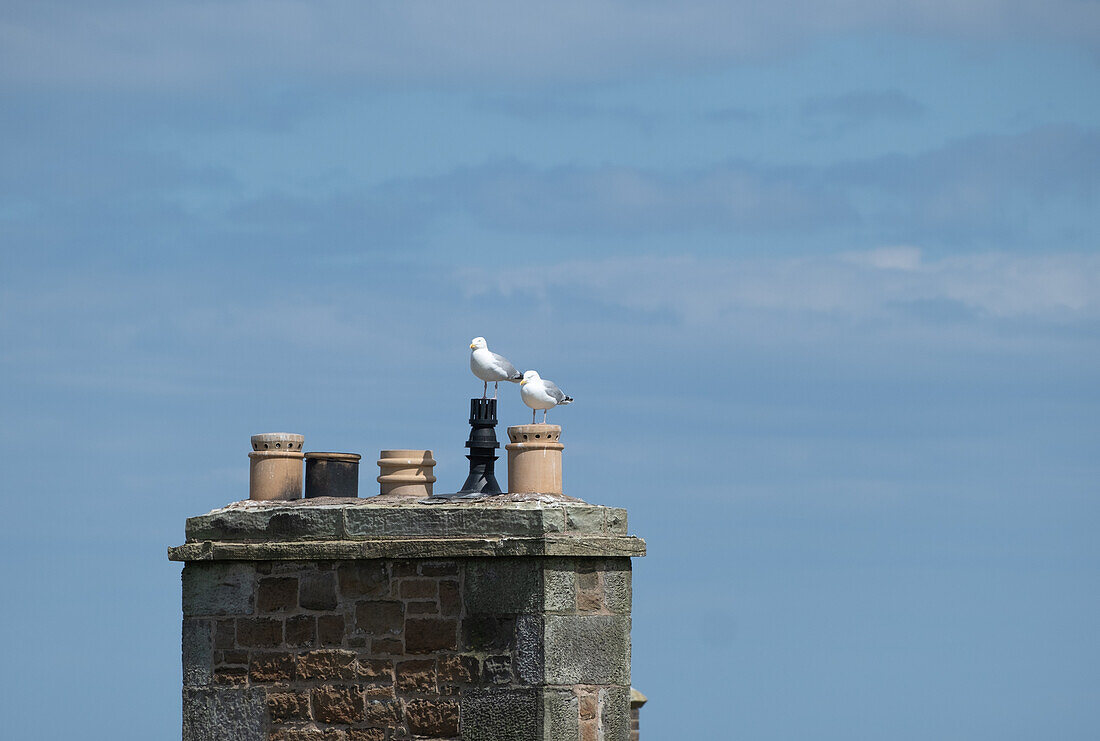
(488, 366)
(538, 393)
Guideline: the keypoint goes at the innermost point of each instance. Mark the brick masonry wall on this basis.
(480, 649)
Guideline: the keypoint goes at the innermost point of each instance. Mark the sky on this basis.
(823, 279)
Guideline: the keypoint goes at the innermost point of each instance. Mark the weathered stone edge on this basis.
(368, 522)
(333, 550)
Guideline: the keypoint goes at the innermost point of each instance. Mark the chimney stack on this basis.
(391, 618)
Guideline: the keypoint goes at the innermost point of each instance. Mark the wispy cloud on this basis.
(992, 190)
(861, 107)
(990, 187)
(192, 45)
(509, 195)
(891, 281)
(549, 108)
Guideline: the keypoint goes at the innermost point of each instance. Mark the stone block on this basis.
(616, 519)
(529, 654)
(374, 670)
(231, 675)
(277, 594)
(559, 715)
(559, 585)
(616, 586)
(363, 579)
(317, 591)
(500, 714)
(378, 618)
(301, 631)
(365, 522)
(587, 649)
(259, 632)
(581, 519)
(553, 520)
(381, 714)
(239, 658)
(419, 588)
(502, 586)
(439, 568)
(589, 705)
(218, 588)
(615, 713)
(434, 522)
(425, 635)
(416, 677)
(287, 706)
(225, 634)
(432, 718)
(224, 713)
(496, 670)
(327, 664)
(198, 652)
(589, 600)
(588, 575)
(271, 667)
(450, 600)
(458, 669)
(520, 522)
(488, 632)
(330, 630)
(334, 704)
(423, 607)
(267, 523)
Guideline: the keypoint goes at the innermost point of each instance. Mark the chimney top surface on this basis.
(386, 527)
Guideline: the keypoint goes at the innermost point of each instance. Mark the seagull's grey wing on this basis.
(554, 392)
(506, 367)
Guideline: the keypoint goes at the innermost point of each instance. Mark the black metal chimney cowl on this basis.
(483, 445)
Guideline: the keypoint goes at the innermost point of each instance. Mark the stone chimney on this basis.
(345, 619)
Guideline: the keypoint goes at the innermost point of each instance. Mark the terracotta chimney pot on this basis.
(406, 472)
(275, 466)
(534, 459)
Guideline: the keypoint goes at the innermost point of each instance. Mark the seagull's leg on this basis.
(544, 415)
(485, 390)
(532, 416)
(495, 389)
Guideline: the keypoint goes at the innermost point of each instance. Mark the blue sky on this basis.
(823, 279)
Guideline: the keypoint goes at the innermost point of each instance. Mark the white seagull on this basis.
(538, 393)
(488, 366)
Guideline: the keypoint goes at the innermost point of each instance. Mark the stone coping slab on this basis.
(347, 550)
(379, 527)
(341, 519)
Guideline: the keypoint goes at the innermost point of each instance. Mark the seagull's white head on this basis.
(529, 376)
(478, 343)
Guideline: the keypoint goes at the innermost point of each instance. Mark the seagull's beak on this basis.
(473, 346)
(524, 381)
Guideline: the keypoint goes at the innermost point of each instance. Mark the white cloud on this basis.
(1063, 287)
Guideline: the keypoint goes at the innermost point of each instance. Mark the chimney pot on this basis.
(275, 466)
(406, 472)
(534, 459)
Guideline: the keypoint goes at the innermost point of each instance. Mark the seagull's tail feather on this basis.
(516, 378)
(566, 400)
